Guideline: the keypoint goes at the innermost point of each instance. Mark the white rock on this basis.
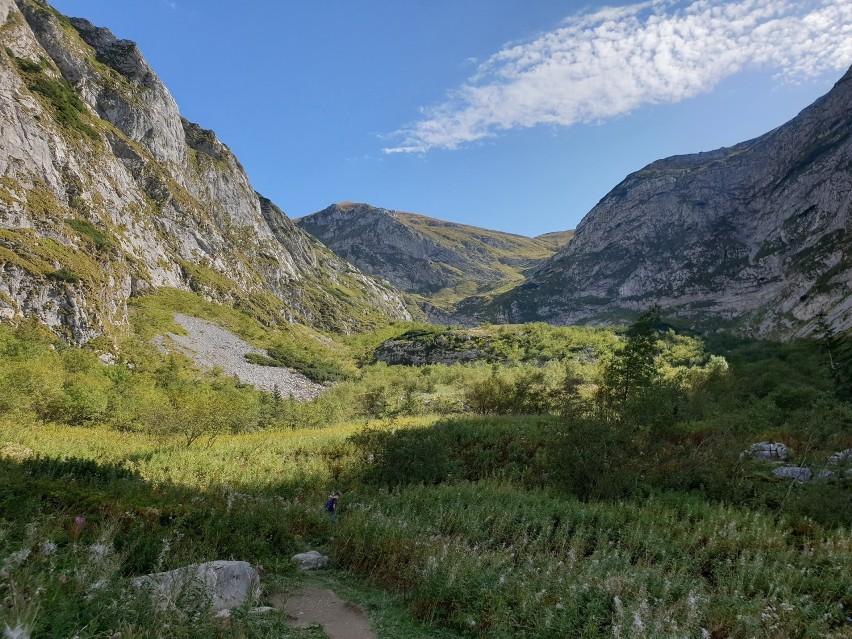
(766, 451)
(310, 560)
(798, 473)
(220, 584)
(841, 456)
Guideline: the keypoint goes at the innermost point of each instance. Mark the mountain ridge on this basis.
(437, 261)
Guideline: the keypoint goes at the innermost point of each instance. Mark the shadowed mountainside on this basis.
(755, 237)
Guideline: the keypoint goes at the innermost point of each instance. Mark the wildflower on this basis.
(99, 550)
(48, 547)
(14, 560)
(20, 631)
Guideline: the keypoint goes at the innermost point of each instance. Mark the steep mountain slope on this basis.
(756, 236)
(440, 261)
(107, 192)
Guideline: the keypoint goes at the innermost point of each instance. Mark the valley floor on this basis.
(483, 557)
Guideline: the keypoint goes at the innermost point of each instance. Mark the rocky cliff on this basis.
(755, 237)
(437, 260)
(107, 192)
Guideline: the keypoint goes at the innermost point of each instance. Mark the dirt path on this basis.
(339, 619)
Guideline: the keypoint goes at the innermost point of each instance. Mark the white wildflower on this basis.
(99, 550)
(20, 631)
(48, 548)
(13, 561)
(637, 622)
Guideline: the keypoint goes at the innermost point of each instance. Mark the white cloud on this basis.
(602, 64)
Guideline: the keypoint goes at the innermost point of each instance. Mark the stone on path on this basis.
(310, 560)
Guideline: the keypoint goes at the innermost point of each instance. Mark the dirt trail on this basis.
(339, 619)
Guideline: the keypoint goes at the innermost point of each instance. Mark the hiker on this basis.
(331, 505)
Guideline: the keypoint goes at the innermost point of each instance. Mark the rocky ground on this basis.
(210, 347)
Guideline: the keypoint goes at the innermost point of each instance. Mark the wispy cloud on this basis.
(608, 62)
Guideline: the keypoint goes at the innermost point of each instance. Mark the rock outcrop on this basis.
(755, 237)
(107, 192)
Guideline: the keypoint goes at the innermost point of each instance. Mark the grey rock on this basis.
(841, 457)
(310, 560)
(212, 347)
(798, 473)
(219, 585)
(825, 474)
(766, 451)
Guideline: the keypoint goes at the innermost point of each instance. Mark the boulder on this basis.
(799, 473)
(221, 585)
(766, 451)
(826, 474)
(841, 457)
(310, 560)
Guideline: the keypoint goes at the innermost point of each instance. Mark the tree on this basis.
(838, 348)
(634, 367)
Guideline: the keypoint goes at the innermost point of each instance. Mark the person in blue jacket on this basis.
(331, 505)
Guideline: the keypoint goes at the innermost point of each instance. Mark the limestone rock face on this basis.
(755, 237)
(107, 192)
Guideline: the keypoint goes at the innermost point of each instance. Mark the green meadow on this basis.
(582, 483)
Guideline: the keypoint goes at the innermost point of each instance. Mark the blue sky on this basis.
(516, 115)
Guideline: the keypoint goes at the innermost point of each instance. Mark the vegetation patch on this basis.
(68, 107)
(99, 238)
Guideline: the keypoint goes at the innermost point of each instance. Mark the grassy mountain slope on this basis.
(556, 239)
(438, 262)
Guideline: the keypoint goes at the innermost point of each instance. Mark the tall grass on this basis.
(493, 560)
